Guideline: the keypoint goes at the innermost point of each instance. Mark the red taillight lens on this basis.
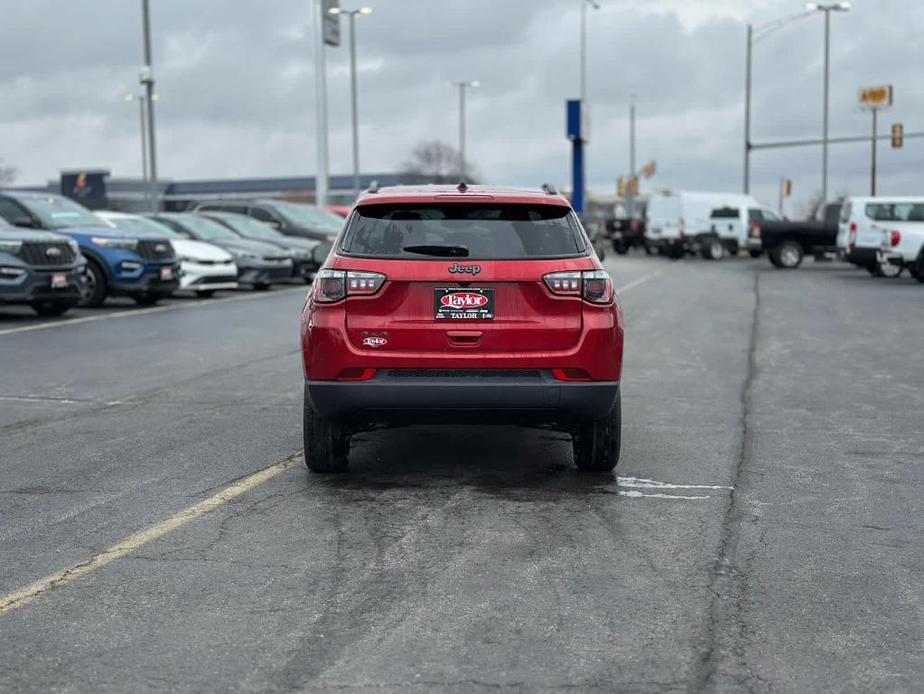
(852, 236)
(896, 238)
(564, 282)
(591, 285)
(755, 231)
(334, 285)
(571, 374)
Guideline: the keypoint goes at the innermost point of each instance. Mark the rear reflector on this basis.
(571, 374)
(356, 374)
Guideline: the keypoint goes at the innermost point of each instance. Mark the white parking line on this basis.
(636, 483)
(146, 311)
(636, 282)
(139, 539)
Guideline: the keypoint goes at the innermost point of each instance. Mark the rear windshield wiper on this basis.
(444, 251)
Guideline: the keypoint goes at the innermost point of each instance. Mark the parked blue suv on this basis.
(39, 269)
(137, 264)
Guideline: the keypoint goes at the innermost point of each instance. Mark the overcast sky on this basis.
(235, 79)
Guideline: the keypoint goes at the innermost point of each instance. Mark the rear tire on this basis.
(712, 249)
(96, 285)
(885, 270)
(917, 268)
(327, 445)
(206, 293)
(261, 287)
(596, 443)
(787, 256)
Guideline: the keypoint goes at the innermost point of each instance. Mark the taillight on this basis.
(334, 285)
(896, 238)
(591, 285)
(755, 231)
(852, 237)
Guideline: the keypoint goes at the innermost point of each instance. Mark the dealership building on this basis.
(96, 189)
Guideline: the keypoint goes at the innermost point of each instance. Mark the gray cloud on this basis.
(237, 94)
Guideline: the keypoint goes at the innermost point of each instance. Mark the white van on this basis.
(709, 223)
(863, 219)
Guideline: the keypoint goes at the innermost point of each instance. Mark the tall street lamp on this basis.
(755, 34)
(462, 87)
(146, 78)
(141, 99)
(584, 5)
(353, 14)
(827, 9)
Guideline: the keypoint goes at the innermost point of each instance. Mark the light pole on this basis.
(596, 6)
(144, 136)
(147, 80)
(320, 89)
(353, 14)
(755, 34)
(827, 9)
(474, 84)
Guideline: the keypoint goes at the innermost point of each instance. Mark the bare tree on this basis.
(437, 162)
(814, 206)
(7, 174)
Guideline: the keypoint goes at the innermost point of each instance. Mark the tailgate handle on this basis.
(464, 337)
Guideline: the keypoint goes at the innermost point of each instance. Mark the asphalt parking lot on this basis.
(763, 533)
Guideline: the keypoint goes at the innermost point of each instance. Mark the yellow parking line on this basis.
(146, 311)
(120, 549)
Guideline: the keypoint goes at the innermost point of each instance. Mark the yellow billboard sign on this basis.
(876, 97)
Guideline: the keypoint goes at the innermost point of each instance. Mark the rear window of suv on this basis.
(481, 232)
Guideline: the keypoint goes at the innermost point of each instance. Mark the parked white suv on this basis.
(902, 235)
(859, 235)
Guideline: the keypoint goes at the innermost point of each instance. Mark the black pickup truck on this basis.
(787, 243)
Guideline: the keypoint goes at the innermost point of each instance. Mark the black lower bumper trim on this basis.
(390, 394)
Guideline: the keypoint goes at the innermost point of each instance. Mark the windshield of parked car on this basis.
(309, 216)
(247, 226)
(207, 229)
(60, 213)
(143, 224)
(895, 212)
(495, 231)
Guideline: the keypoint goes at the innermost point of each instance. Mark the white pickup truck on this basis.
(902, 236)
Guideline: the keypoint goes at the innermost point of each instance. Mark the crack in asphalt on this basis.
(727, 584)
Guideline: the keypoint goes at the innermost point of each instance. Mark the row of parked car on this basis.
(884, 235)
(56, 254)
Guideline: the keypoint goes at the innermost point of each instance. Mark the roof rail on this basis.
(373, 187)
(462, 187)
(549, 189)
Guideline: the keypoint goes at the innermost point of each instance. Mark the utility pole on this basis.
(320, 85)
(630, 202)
(747, 111)
(824, 136)
(872, 179)
(462, 87)
(147, 80)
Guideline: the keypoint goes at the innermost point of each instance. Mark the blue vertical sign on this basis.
(576, 118)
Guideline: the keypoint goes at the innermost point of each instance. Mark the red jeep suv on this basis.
(456, 305)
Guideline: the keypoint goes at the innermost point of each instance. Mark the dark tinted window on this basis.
(262, 214)
(10, 211)
(483, 231)
(755, 216)
(725, 213)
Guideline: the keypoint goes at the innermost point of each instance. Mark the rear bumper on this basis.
(539, 395)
